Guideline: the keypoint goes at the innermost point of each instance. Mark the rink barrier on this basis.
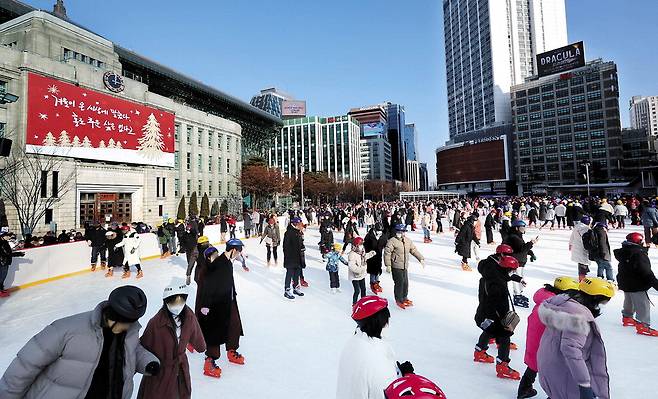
(43, 265)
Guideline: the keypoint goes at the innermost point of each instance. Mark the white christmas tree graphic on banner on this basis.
(76, 142)
(118, 145)
(64, 140)
(50, 140)
(151, 144)
(86, 143)
(110, 144)
(102, 144)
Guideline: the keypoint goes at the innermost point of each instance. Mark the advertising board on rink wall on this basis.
(561, 59)
(67, 120)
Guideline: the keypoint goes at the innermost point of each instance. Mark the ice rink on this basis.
(292, 347)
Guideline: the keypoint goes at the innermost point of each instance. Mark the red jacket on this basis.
(535, 329)
(160, 339)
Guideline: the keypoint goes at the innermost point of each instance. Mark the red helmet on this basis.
(508, 262)
(414, 387)
(357, 241)
(368, 306)
(504, 249)
(636, 238)
(125, 228)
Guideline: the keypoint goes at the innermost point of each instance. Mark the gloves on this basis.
(204, 311)
(188, 280)
(533, 258)
(153, 368)
(523, 283)
(422, 263)
(586, 393)
(407, 368)
(245, 268)
(388, 269)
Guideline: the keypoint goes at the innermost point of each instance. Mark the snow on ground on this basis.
(292, 347)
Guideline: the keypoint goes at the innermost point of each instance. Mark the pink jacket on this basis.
(535, 329)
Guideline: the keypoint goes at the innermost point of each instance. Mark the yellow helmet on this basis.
(170, 220)
(619, 202)
(597, 286)
(564, 283)
(604, 200)
(508, 213)
(202, 240)
(337, 247)
(159, 224)
(180, 220)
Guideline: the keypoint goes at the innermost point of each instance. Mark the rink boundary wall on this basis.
(55, 262)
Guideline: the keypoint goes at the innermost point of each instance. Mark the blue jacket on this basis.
(333, 258)
(650, 217)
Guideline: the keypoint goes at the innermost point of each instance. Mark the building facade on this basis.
(395, 133)
(376, 158)
(319, 144)
(562, 122)
(489, 47)
(411, 141)
(424, 177)
(644, 113)
(102, 180)
(413, 175)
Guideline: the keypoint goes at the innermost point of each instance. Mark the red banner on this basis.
(67, 120)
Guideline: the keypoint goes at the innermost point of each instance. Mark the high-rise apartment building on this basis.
(644, 113)
(490, 45)
(376, 158)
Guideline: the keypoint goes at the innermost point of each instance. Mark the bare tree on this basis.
(22, 181)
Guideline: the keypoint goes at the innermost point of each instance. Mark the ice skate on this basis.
(297, 292)
(466, 267)
(125, 275)
(334, 291)
(408, 303)
(643, 329)
(628, 321)
(93, 267)
(303, 283)
(482, 357)
(373, 288)
(4, 294)
(103, 265)
(378, 287)
(338, 289)
(401, 305)
(110, 272)
(288, 295)
(140, 274)
(503, 370)
(211, 369)
(526, 390)
(235, 357)
(521, 301)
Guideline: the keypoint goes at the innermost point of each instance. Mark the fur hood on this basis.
(564, 314)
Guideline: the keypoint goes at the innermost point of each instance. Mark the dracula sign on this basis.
(561, 59)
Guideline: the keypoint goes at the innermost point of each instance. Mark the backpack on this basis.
(590, 243)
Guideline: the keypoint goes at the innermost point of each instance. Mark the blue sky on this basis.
(341, 54)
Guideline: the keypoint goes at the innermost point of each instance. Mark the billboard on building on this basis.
(473, 162)
(293, 108)
(67, 120)
(373, 129)
(561, 59)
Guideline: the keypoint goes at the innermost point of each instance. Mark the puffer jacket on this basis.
(333, 258)
(357, 267)
(578, 252)
(635, 274)
(397, 251)
(59, 362)
(272, 235)
(650, 217)
(571, 352)
(130, 246)
(535, 328)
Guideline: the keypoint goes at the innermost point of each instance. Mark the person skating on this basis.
(357, 268)
(561, 215)
(426, 225)
(130, 244)
(188, 239)
(635, 278)
(649, 221)
(578, 252)
(89, 355)
(114, 254)
(375, 240)
(272, 238)
(489, 225)
(367, 362)
(396, 260)
(571, 356)
(522, 250)
(463, 241)
(599, 250)
(412, 386)
(536, 330)
(219, 314)
(6, 255)
(172, 244)
(549, 217)
(163, 239)
(494, 304)
(167, 335)
(333, 257)
(293, 253)
(621, 212)
(95, 238)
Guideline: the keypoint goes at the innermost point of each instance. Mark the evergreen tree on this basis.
(194, 206)
(151, 143)
(205, 207)
(64, 140)
(50, 140)
(76, 142)
(86, 143)
(181, 209)
(223, 209)
(214, 209)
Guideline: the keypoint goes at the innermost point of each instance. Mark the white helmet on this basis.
(177, 286)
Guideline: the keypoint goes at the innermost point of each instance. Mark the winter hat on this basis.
(126, 304)
(177, 286)
(586, 220)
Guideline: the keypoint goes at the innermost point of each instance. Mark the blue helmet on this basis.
(518, 223)
(234, 243)
(295, 220)
(400, 228)
(586, 220)
(209, 251)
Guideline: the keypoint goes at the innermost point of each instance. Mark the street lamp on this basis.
(302, 186)
(587, 165)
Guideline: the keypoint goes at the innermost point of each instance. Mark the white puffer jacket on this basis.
(357, 266)
(578, 252)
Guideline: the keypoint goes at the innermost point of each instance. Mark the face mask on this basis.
(175, 309)
(399, 235)
(378, 234)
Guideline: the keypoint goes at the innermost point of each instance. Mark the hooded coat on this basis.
(571, 352)
(578, 252)
(130, 245)
(535, 328)
(397, 251)
(464, 238)
(521, 248)
(293, 248)
(59, 362)
(173, 381)
(635, 274)
(372, 243)
(493, 295)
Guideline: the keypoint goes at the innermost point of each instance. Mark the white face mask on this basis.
(378, 234)
(175, 309)
(399, 235)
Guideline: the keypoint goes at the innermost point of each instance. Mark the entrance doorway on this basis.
(102, 207)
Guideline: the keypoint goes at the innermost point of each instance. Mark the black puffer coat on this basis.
(464, 238)
(521, 248)
(293, 248)
(372, 243)
(493, 295)
(635, 274)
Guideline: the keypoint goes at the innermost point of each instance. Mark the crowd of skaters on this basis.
(374, 239)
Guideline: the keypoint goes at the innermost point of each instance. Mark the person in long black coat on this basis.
(375, 241)
(522, 250)
(489, 224)
(293, 257)
(114, 254)
(463, 241)
(219, 316)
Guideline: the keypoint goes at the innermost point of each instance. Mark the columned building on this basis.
(413, 175)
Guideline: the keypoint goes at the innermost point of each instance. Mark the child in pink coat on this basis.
(536, 330)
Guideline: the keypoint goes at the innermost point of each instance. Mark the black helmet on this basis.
(126, 304)
(379, 227)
